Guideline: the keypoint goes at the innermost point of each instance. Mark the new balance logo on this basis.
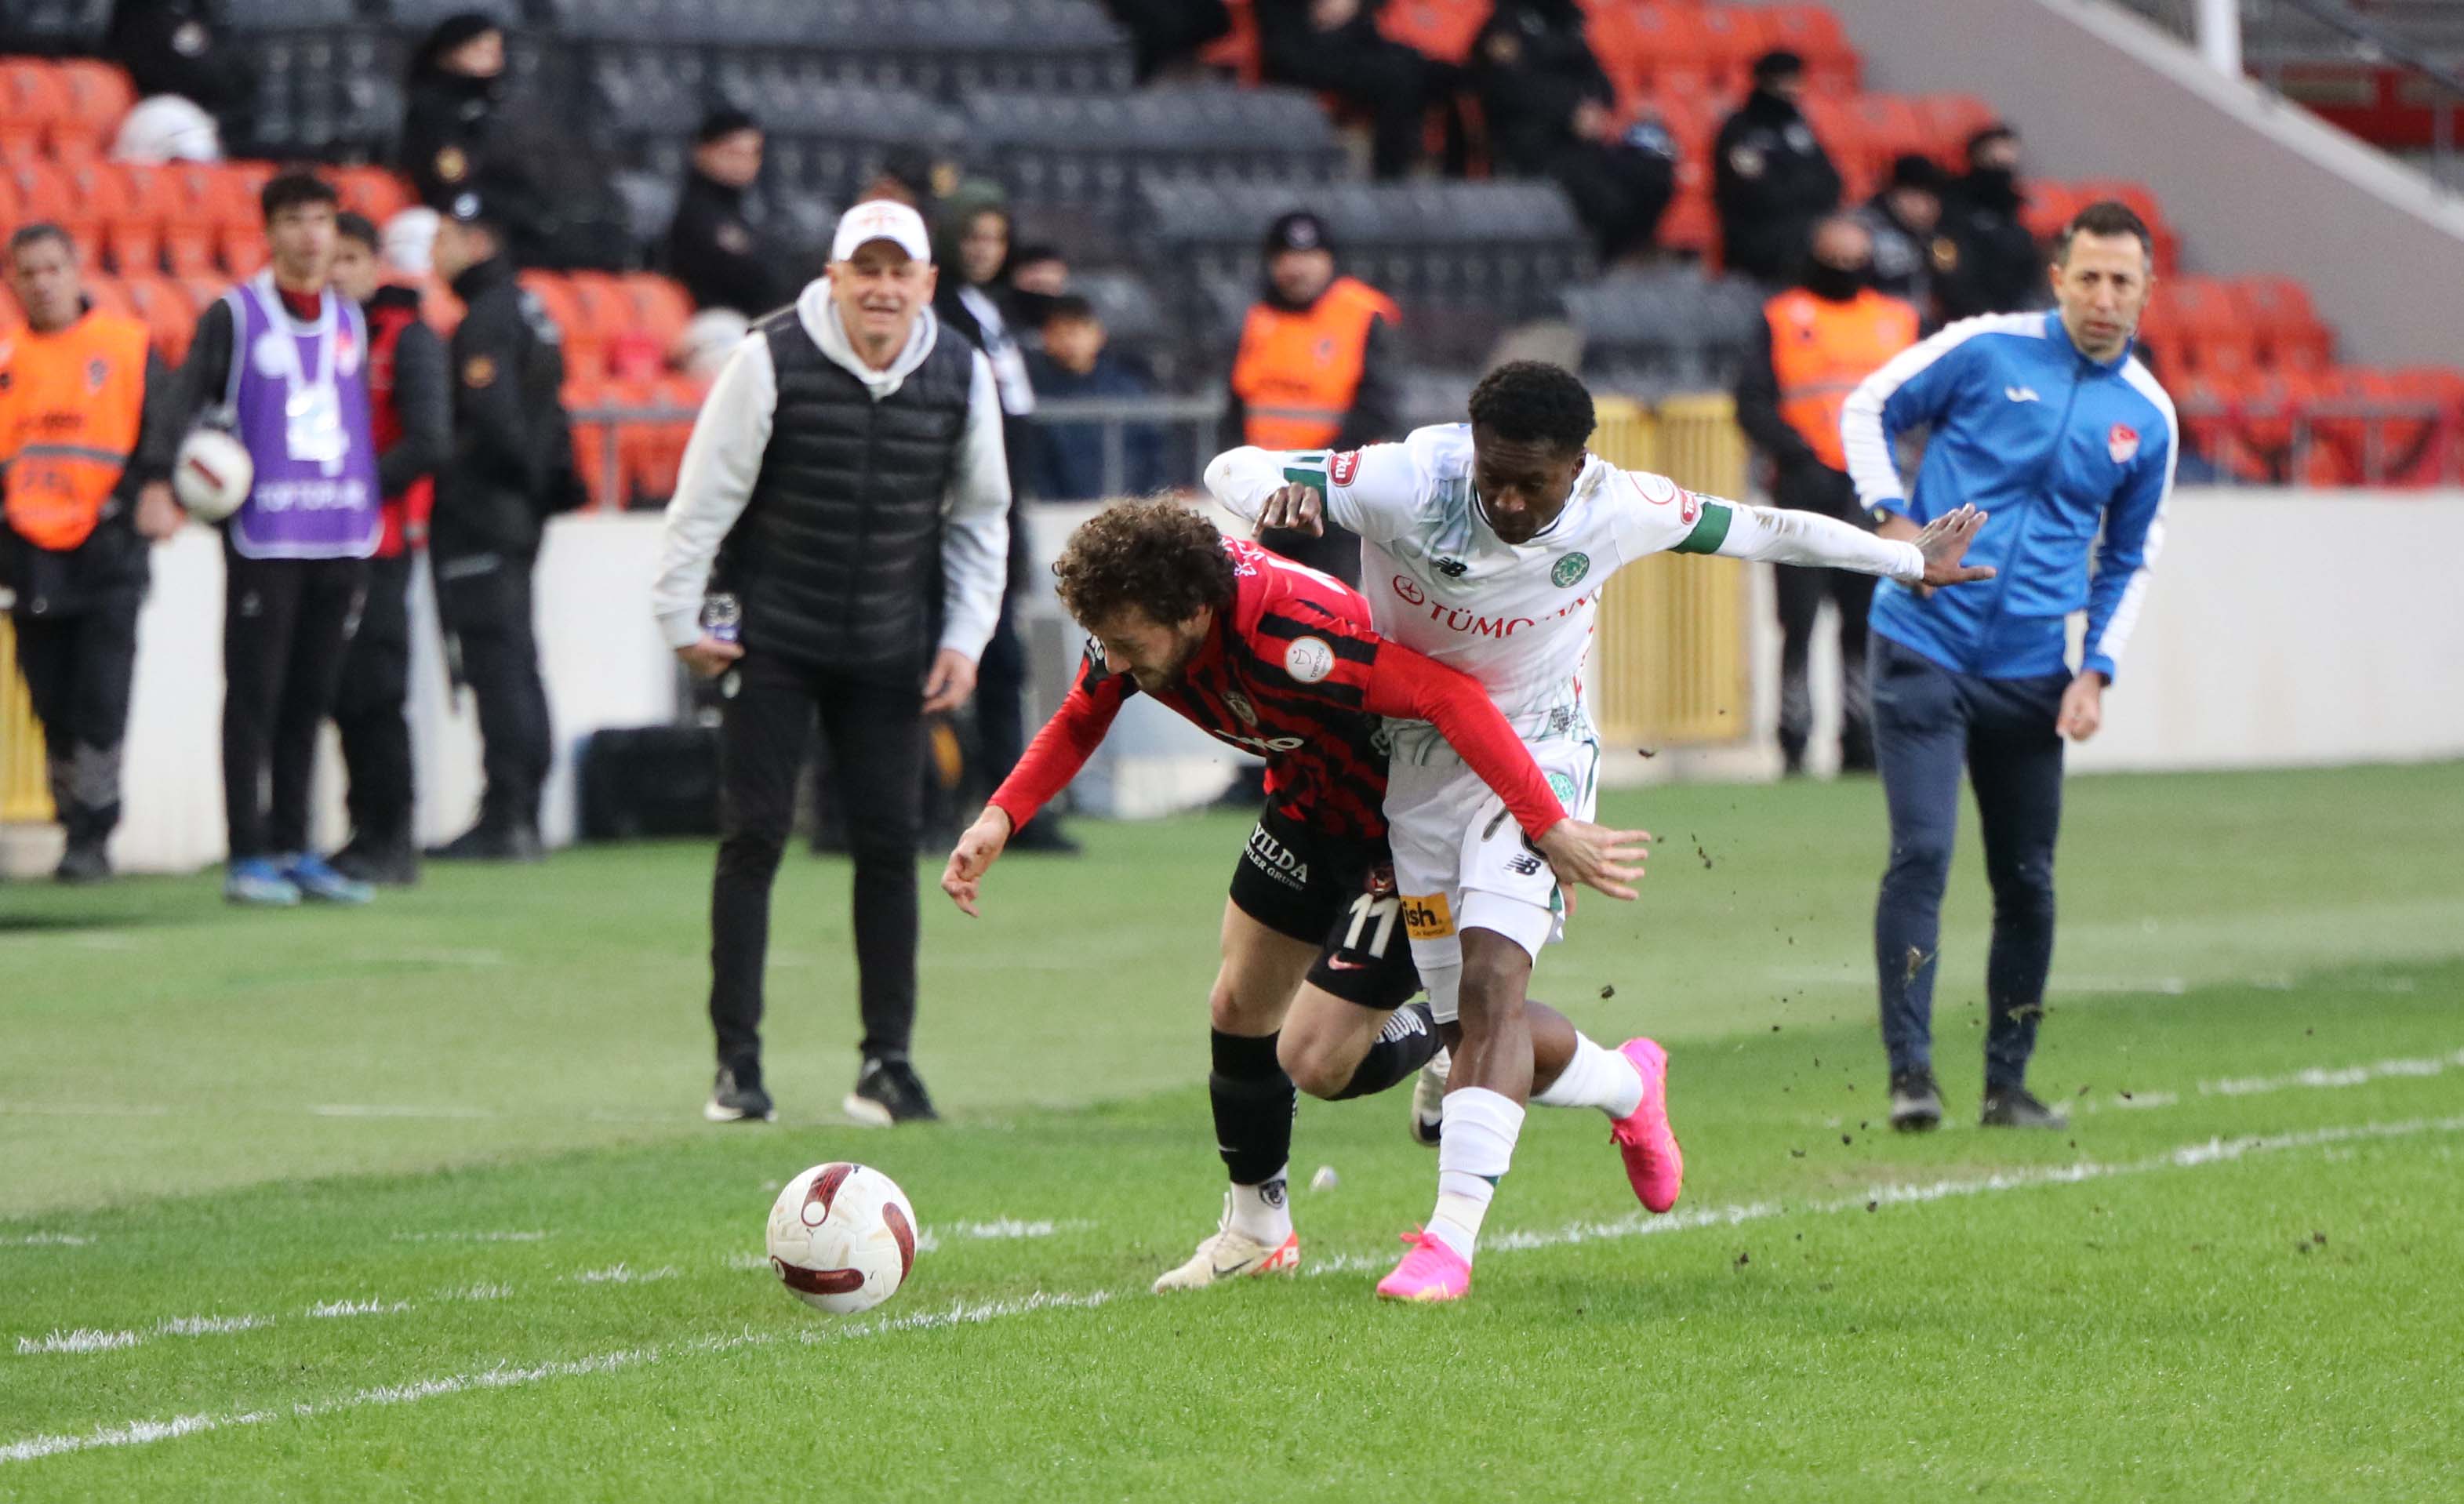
(1524, 866)
(1451, 568)
(2021, 394)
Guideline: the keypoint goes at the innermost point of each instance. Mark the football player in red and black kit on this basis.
(1280, 660)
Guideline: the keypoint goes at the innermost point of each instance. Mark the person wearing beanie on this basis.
(1771, 179)
(1905, 218)
(714, 243)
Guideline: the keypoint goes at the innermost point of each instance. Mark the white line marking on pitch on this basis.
(2214, 1151)
(2192, 1156)
(87, 1340)
(620, 1273)
(2312, 1079)
(48, 1240)
(468, 1237)
(137, 1433)
(355, 1308)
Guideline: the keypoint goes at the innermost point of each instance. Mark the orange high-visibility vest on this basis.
(70, 402)
(1297, 373)
(1822, 349)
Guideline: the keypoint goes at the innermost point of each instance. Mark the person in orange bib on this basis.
(1820, 340)
(1314, 373)
(85, 449)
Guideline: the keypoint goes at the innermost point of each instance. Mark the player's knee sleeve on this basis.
(1403, 1046)
(1254, 1103)
(1444, 984)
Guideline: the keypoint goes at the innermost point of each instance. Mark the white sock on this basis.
(1596, 1077)
(1481, 1127)
(1261, 1211)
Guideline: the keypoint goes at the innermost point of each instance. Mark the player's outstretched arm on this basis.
(1373, 491)
(1411, 687)
(1049, 762)
(1935, 556)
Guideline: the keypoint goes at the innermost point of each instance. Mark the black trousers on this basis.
(78, 667)
(1929, 722)
(485, 600)
(1618, 191)
(368, 706)
(1002, 673)
(1801, 592)
(286, 625)
(874, 728)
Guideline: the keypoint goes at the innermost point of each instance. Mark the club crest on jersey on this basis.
(1342, 467)
(1239, 704)
(2121, 442)
(1569, 570)
(1309, 660)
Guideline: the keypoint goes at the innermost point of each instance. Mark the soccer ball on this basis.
(842, 1238)
(212, 474)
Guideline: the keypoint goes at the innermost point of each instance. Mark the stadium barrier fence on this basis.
(25, 789)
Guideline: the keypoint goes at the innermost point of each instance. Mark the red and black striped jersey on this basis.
(1293, 672)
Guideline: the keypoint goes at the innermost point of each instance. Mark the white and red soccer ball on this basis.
(842, 1238)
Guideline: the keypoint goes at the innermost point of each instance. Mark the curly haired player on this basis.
(1487, 545)
(1278, 659)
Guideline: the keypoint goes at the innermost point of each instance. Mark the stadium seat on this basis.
(31, 98)
(1440, 29)
(170, 316)
(1947, 120)
(1813, 34)
(2278, 310)
(658, 306)
(376, 192)
(42, 193)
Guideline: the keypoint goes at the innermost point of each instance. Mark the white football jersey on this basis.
(1518, 618)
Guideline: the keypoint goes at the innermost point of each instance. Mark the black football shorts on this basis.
(1339, 893)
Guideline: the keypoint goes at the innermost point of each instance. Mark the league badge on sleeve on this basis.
(1309, 660)
(2121, 442)
(1342, 467)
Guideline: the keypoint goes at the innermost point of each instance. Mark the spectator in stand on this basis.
(913, 176)
(713, 247)
(512, 466)
(1551, 112)
(1770, 177)
(1166, 34)
(411, 416)
(167, 129)
(974, 245)
(1996, 264)
(1068, 459)
(1038, 276)
(1315, 370)
(86, 437)
(452, 101)
(1333, 46)
(173, 48)
(1818, 340)
(283, 358)
(1905, 221)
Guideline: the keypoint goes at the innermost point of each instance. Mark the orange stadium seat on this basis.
(2289, 329)
(1813, 34)
(2049, 208)
(241, 253)
(373, 192)
(104, 292)
(1728, 38)
(1440, 29)
(97, 94)
(1235, 50)
(42, 193)
(32, 98)
(581, 393)
(1947, 120)
(169, 314)
(659, 306)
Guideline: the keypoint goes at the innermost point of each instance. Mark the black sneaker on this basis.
(386, 863)
(2015, 1107)
(83, 862)
(732, 1101)
(487, 842)
(1916, 1102)
(889, 1092)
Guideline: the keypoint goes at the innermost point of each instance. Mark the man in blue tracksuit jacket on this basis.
(2046, 423)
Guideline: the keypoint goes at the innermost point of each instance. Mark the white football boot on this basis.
(1231, 1254)
(1429, 1098)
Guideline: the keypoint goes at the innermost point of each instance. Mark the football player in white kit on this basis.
(1485, 546)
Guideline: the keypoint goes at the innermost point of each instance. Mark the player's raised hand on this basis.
(977, 848)
(1945, 542)
(1596, 856)
(1302, 509)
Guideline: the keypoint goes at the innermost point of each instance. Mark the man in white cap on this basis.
(849, 456)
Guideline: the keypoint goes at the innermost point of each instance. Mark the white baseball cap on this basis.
(882, 219)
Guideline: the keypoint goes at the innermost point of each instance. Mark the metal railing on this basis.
(2369, 443)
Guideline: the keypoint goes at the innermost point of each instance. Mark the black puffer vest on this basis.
(837, 558)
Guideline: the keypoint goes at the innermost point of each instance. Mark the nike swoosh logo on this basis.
(1338, 963)
(1223, 1273)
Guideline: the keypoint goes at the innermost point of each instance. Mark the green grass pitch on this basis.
(415, 1201)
